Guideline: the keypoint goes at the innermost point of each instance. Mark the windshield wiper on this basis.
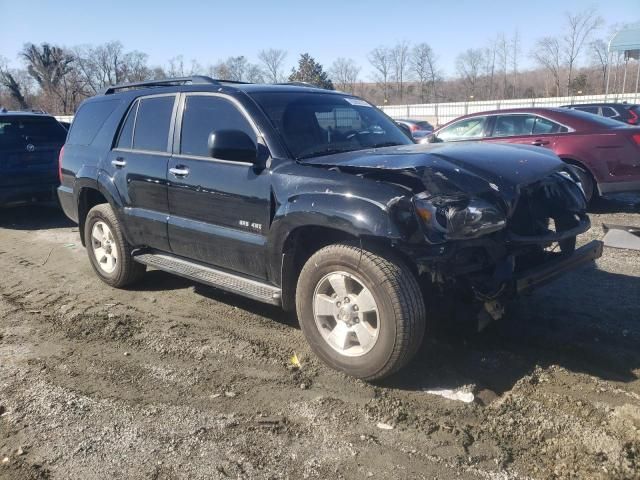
(319, 153)
(385, 144)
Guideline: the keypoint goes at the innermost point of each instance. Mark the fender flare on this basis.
(356, 216)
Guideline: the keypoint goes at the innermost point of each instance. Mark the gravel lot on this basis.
(176, 380)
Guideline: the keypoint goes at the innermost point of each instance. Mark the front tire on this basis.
(109, 252)
(362, 313)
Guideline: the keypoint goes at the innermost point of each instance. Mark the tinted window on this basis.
(316, 124)
(543, 126)
(89, 120)
(18, 132)
(609, 112)
(466, 129)
(511, 125)
(594, 119)
(593, 110)
(152, 124)
(126, 133)
(205, 114)
(425, 125)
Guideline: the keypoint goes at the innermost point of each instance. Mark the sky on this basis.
(326, 29)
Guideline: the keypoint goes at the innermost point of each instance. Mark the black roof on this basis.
(25, 113)
(203, 83)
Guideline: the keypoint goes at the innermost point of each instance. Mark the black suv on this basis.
(29, 147)
(316, 201)
(623, 112)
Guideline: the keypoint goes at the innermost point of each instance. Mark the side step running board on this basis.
(230, 282)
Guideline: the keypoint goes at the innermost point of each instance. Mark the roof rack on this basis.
(193, 80)
(298, 84)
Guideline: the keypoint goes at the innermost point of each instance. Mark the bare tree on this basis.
(400, 56)
(579, 27)
(515, 55)
(15, 85)
(469, 65)
(273, 63)
(422, 64)
(381, 60)
(502, 48)
(344, 74)
(600, 58)
(237, 69)
(547, 54)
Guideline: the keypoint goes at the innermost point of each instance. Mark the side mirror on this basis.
(433, 138)
(234, 145)
(406, 130)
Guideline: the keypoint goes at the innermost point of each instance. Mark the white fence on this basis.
(64, 118)
(441, 113)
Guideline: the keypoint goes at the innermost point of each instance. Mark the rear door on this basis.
(29, 148)
(138, 165)
(525, 129)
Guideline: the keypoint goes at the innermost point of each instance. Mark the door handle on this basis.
(179, 171)
(119, 162)
(539, 143)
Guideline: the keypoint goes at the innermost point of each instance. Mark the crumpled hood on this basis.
(469, 167)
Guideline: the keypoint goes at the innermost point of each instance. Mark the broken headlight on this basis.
(457, 217)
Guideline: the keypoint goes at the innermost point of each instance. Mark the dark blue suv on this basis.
(29, 146)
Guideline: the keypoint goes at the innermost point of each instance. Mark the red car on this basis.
(605, 152)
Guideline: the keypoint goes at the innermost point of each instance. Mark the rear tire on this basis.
(109, 252)
(362, 313)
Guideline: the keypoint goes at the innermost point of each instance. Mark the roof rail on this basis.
(298, 84)
(194, 80)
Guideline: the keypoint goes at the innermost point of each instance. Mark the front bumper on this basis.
(545, 273)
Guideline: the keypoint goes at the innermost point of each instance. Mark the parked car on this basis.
(29, 147)
(623, 112)
(420, 129)
(317, 202)
(604, 153)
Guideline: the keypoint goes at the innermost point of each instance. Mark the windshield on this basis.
(17, 132)
(316, 124)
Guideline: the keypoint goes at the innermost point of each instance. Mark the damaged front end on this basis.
(492, 248)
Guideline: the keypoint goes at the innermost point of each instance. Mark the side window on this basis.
(593, 110)
(609, 112)
(152, 124)
(513, 125)
(204, 114)
(466, 129)
(543, 126)
(126, 133)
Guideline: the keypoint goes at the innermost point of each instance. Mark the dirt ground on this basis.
(176, 380)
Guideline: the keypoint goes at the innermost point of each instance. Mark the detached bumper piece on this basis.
(535, 277)
(621, 236)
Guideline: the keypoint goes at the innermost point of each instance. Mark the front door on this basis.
(219, 210)
(138, 166)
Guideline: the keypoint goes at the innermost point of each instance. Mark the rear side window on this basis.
(204, 114)
(152, 124)
(88, 121)
(126, 134)
(543, 126)
(609, 112)
(18, 132)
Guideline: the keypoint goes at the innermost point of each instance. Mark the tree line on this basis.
(57, 78)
